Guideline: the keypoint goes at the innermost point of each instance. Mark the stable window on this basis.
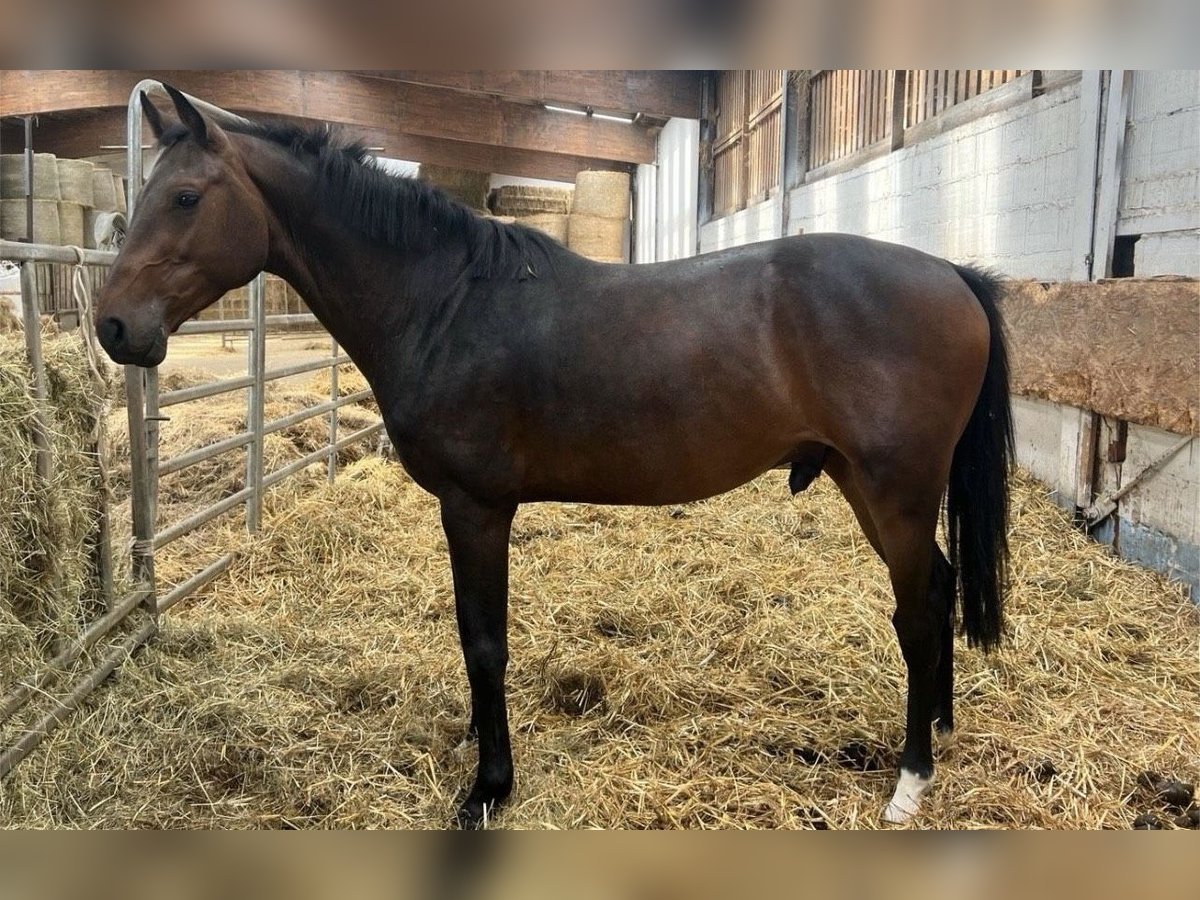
(746, 145)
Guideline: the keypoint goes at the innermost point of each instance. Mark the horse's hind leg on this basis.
(941, 583)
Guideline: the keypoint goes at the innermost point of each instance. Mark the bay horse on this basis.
(510, 370)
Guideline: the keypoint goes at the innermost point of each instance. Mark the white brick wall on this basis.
(1160, 177)
(999, 191)
(1168, 253)
(754, 223)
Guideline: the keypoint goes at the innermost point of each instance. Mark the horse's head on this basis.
(199, 230)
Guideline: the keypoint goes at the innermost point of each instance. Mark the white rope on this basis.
(83, 299)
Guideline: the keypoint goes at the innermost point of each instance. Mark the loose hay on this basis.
(729, 663)
(48, 582)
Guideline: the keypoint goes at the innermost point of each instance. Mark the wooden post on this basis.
(704, 203)
(899, 82)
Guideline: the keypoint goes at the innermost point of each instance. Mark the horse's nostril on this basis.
(110, 331)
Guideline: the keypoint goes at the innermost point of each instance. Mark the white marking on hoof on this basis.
(907, 800)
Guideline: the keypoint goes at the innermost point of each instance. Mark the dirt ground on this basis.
(207, 353)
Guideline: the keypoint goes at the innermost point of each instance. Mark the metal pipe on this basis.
(33, 349)
(19, 251)
(193, 584)
(29, 179)
(210, 326)
(333, 413)
(301, 368)
(142, 555)
(311, 411)
(200, 454)
(192, 522)
(29, 741)
(278, 475)
(17, 697)
(200, 391)
(256, 353)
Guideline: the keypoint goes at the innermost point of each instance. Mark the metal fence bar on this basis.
(44, 726)
(200, 579)
(18, 251)
(200, 454)
(301, 368)
(194, 521)
(218, 326)
(311, 411)
(33, 349)
(316, 456)
(214, 326)
(17, 697)
(257, 354)
(200, 391)
(333, 413)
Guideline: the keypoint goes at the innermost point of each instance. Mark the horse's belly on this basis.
(655, 472)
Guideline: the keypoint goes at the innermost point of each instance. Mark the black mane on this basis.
(403, 212)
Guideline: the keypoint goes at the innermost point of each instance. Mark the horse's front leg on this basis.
(478, 538)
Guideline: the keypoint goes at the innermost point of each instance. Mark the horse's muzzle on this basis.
(123, 347)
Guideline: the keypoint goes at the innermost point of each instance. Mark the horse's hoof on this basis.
(906, 801)
(472, 816)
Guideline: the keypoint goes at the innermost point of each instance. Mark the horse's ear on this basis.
(152, 116)
(188, 115)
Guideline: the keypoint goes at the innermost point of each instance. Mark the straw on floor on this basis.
(728, 663)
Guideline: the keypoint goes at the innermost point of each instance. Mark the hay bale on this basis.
(47, 527)
(9, 320)
(75, 181)
(45, 176)
(104, 190)
(71, 223)
(598, 237)
(528, 200)
(603, 194)
(552, 224)
(463, 185)
(46, 228)
(1125, 348)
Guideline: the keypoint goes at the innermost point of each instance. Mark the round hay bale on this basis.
(527, 200)
(70, 223)
(104, 190)
(602, 194)
(45, 176)
(464, 186)
(598, 237)
(552, 224)
(75, 182)
(122, 206)
(45, 221)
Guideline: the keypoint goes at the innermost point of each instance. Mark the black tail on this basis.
(977, 497)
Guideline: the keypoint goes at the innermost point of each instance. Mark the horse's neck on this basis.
(360, 290)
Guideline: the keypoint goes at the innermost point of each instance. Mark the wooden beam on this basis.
(397, 107)
(653, 93)
(87, 134)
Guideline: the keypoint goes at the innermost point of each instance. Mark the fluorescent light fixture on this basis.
(626, 119)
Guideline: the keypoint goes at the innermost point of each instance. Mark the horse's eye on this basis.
(188, 199)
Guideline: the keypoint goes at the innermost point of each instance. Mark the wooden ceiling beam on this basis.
(96, 132)
(396, 107)
(662, 94)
